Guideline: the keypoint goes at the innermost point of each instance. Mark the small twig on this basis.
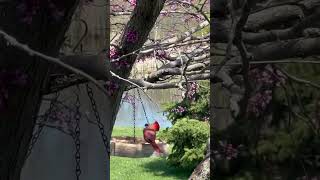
(126, 80)
(134, 84)
(272, 62)
(298, 80)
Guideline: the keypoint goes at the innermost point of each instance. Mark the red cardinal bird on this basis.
(149, 135)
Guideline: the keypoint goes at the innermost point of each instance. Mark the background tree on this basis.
(258, 62)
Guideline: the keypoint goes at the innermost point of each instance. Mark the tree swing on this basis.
(134, 146)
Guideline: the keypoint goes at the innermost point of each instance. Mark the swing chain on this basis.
(77, 117)
(145, 114)
(97, 115)
(134, 116)
(37, 134)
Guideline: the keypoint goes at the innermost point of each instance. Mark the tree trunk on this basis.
(220, 108)
(17, 121)
(48, 39)
(54, 152)
(202, 171)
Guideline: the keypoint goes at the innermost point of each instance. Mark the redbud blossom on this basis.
(179, 110)
(28, 9)
(131, 36)
(128, 98)
(111, 87)
(192, 90)
(114, 54)
(133, 2)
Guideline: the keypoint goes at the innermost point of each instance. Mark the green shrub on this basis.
(283, 146)
(163, 134)
(189, 138)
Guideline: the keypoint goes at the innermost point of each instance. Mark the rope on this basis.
(156, 106)
(134, 116)
(145, 114)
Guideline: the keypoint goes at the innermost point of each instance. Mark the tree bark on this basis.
(48, 155)
(202, 171)
(93, 165)
(18, 120)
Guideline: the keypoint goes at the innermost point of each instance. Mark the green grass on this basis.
(126, 131)
(151, 168)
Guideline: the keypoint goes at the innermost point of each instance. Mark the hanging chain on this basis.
(134, 116)
(37, 134)
(77, 117)
(145, 114)
(97, 115)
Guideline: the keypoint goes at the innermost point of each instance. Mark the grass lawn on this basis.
(150, 168)
(126, 131)
(153, 168)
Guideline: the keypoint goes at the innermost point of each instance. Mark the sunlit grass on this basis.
(151, 168)
(126, 131)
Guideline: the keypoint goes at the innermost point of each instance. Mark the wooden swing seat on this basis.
(126, 147)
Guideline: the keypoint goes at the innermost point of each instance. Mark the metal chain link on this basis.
(37, 134)
(77, 117)
(97, 115)
(134, 116)
(145, 114)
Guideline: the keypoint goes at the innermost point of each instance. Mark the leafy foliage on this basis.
(189, 137)
(197, 108)
(189, 133)
(282, 146)
(284, 138)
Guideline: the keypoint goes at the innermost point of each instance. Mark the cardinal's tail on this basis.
(156, 147)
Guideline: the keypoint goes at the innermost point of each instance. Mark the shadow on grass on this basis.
(159, 167)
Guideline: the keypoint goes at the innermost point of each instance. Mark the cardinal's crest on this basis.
(155, 126)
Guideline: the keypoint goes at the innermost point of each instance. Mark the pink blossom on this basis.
(28, 9)
(133, 2)
(120, 64)
(192, 90)
(131, 36)
(114, 54)
(179, 109)
(128, 98)
(266, 77)
(259, 102)
(111, 87)
(161, 53)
